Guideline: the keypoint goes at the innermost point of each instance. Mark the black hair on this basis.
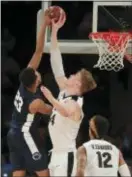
(27, 77)
(102, 126)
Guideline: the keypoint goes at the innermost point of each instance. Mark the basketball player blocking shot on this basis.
(67, 114)
(99, 157)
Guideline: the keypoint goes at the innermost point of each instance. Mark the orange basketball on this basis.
(56, 11)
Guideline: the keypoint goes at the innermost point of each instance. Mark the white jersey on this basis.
(102, 158)
(63, 131)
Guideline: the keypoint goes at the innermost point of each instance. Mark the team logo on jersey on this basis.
(37, 156)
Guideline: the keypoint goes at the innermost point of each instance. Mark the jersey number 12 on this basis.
(104, 159)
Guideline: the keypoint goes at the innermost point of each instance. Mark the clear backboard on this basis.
(86, 17)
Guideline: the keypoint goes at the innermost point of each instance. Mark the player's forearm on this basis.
(35, 61)
(81, 161)
(46, 109)
(41, 38)
(80, 173)
(54, 39)
(56, 57)
(80, 168)
(59, 107)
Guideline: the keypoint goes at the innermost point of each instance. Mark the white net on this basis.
(112, 47)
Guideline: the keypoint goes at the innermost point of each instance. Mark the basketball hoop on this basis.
(112, 47)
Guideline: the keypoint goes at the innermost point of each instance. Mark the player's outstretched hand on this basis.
(57, 25)
(47, 19)
(47, 93)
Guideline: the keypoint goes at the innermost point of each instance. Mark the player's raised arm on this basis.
(55, 54)
(81, 162)
(123, 167)
(36, 58)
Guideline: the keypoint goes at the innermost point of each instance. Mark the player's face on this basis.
(74, 80)
(38, 80)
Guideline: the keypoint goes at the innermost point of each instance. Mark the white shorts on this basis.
(63, 164)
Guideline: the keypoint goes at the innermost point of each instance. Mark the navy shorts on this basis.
(22, 157)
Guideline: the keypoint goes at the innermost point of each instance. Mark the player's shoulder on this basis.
(78, 100)
(63, 95)
(20, 91)
(26, 94)
(89, 143)
(92, 141)
(75, 99)
(21, 87)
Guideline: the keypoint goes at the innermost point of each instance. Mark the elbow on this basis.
(49, 110)
(80, 173)
(46, 111)
(33, 110)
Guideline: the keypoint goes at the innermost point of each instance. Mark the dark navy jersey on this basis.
(22, 119)
(24, 125)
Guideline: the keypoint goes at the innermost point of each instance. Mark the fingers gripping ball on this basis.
(56, 11)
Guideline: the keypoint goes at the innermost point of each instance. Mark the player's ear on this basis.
(37, 81)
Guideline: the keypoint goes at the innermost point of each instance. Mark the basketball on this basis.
(56, 11)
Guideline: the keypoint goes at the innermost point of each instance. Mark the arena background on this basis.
(112, 98)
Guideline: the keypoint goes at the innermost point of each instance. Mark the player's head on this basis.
(98, 127)
(30, 78)
(82, 81)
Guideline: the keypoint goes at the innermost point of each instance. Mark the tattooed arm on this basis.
(81, 161)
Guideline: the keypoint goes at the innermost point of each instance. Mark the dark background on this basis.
(112, 98)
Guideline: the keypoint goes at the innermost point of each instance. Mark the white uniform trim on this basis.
(80, 102)
(28, 137)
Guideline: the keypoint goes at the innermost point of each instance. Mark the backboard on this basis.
(86, 17)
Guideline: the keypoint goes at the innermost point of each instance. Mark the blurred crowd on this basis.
(16, 50)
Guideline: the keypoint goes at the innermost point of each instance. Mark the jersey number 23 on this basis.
(18, 102)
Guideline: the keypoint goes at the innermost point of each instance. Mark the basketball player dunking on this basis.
(24, 141)
(67, 114)
(99, 157)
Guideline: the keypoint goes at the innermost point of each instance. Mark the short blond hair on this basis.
(87, 80)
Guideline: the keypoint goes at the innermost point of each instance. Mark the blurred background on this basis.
(112, 98)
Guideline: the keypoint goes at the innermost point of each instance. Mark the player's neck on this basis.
(32, 89)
